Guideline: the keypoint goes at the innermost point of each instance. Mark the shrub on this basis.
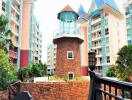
(111, 72)
(7, 71)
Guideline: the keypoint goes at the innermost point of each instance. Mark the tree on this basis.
(124, 63)
(4, 33)
(39, 70)
(34, 70)
(24, 73)
(7, 71)
(111, 71)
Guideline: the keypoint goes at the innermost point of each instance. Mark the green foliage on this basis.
(55, 78)
(39, 70)
(81, 78)
(124, 63)
(34, 70)
(111, 71)
(7, 71)
(4, 33)
(24, 73)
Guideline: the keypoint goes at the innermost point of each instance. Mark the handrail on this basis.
(102, 88)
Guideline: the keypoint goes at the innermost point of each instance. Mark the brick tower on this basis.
(68, 41)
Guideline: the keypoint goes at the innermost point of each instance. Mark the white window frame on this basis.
(68, 54)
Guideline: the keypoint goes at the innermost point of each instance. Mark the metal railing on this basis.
(70, 32)
(108, 89)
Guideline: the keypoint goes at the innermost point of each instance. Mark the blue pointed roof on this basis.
(81, 12)
(110, 3)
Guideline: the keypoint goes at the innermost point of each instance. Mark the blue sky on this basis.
(46, 13)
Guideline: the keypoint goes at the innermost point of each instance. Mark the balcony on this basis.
(14, 31)
(18, 1)
(69, 33)
(13, 54)
(96, 21)
(16, 7)
(16, 10)
(15, 43)
(15, 19)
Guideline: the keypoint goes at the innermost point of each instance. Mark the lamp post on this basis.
(92, 60)
(92, 65)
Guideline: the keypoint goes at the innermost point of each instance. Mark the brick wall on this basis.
(3, 95)
(72, 65)
(57, 90)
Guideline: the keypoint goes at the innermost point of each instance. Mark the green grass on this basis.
(55, 78)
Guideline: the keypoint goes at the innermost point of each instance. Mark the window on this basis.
(129, 42)
(107, 40)
(108, 59)
(106, 31)
(3, 6)
(100, 60)
(106, 22)
(70, 75)
(107, 50)
(70, 55)
(127, 10)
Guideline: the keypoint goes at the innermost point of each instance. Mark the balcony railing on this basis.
(16, 7)
(108, 89)
(71, 32)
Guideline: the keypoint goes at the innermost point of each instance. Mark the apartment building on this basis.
(31, 37)
(12, 9)
(106, 32)
(82, 24)
(51, 58)
(36, 42)
(3, 8)
(26, 38)
(128, 19)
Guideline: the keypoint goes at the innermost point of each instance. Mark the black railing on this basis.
(108, 89)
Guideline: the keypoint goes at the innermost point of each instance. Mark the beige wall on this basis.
(84, 58)
(25, 35)
(117, 36)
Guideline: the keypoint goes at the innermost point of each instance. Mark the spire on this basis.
(81, 12)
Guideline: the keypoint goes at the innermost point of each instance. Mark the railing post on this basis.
(92, 85)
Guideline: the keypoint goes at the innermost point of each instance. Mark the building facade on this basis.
(51, 58)
(31, 37)
(82, 25)
(106, 32)
(12, 10)
(26, 38)
(3, 8)
(35, 42)
(128, 20)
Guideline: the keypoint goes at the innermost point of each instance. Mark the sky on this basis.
(46, 13)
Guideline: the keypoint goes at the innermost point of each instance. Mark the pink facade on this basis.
(24, 58)
(25, 34)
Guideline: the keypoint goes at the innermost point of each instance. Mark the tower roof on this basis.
(67, 8)
(111, 3)
(81, 12)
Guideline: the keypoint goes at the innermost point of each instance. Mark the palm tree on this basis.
(4, 33)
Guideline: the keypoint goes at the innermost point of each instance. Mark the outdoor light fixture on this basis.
(92, 60)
